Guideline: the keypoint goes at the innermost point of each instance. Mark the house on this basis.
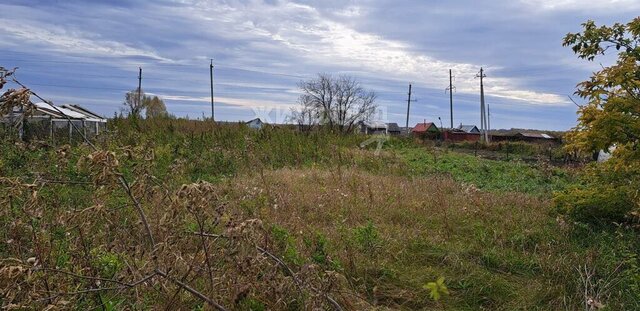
(372, 127)
(460, 135)
(425, 128)
(604, 156)
(468, 128)
(528, 136)
(393, 129)
(525, 136)
(255, 123)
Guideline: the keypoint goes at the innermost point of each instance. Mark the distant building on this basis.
(527, 135)
(604, 156)
(255, 123)
(372, 127)
(393, 129)
(524, 136)
(425, 128)
(459, 135)
(468, 128)
(45, 119)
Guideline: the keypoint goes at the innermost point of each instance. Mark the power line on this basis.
(488, 119)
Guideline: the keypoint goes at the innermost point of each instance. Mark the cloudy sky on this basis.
(88, 52)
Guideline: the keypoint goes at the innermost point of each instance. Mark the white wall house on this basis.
(255, 123)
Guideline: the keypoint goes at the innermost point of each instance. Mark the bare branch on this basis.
(191, 290)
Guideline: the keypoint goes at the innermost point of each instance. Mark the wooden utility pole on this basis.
(483, 120)
(488, 123)
(211, 75)
(450, 89)
(408, 108)
(139, 86)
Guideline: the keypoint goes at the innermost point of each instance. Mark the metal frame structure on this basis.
(58, 117)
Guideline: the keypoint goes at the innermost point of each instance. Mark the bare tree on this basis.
(134, 102)
(304, 116)
(336, 102)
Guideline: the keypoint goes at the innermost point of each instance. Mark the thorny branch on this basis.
(281, 263)
(191, 290)
(97, 289)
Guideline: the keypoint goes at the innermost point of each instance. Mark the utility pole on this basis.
(483, 121)
(140, 86)
(450, 89)
(408, 108)
(211, 75)
(488, 123)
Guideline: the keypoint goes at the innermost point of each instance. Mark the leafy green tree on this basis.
(611, 117)
(154, 106)
(137, 104)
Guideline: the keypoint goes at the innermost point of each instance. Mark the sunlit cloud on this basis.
(232, 101)
(579, 5)
(302, 30)
(52, 38)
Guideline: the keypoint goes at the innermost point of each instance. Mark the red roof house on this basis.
(425, 127)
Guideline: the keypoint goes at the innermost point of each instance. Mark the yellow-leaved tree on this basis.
(609, 191)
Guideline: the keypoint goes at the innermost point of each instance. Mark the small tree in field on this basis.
(154, 106)
(610, 118)
(134, 102)
(305, 117)
(335, 102)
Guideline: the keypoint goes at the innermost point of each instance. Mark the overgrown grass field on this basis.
(281, 220)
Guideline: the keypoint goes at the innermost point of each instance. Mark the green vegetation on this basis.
(437, 289)
(399, 230)
(486, 174)
(611, 118)
(514, 150)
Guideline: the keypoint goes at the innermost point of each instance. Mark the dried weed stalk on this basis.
(164, 248)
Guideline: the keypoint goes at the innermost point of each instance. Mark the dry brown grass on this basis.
(307, 200)
(426, 227)
(280, 239)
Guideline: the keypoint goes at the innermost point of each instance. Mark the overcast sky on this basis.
(88, 53)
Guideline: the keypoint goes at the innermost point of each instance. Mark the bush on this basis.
(607, 192)
(367, 237)
(595, 204)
